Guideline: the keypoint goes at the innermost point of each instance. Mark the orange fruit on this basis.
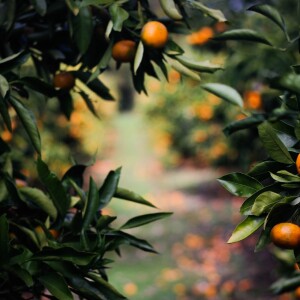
(154, 34)
(298, 163)
(297, 293)
(54, 233)
(124, 51)
(64, 80)
(286, 235)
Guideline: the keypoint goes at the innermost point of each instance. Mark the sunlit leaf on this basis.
(246, 228)
(264, 202)
(225, 92)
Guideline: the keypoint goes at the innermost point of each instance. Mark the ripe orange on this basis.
(124, 51)
(154, 34)
(64, 80)
(54, 233)
(286, 235)
(297, 293)
(298, 163)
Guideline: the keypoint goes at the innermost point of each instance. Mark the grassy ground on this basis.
(194, 261)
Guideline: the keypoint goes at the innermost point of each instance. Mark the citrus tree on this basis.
(54, 237)
(270, 187)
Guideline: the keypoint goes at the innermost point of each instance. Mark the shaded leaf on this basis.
(286, 284)
(38, 85)
(9, 63)
(225, 92)
(275, 148)
(118, 15)
(248, 35)
(213, 13)
(4, 240)
(199, 66)
(56, 285)
(40, 6)
(40, 199)
(54, 187)
(27, 118)
(109, 187)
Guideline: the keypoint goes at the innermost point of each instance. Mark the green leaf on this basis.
(89, 103)
(66, 103)
(264, 168)
(125, 238)
(225, 92)
(92, 205)
(40, 6)
(289, 82)
(144, 219)
(271, 13)
(286, 284)
(4, 90)
(95, 85)
(4, 240)
(246, 228)
(23, 274)
(9, 63)
(213, 13)
(202, 66)
(65, 254)
(108, 290)
(54, 187)
(56, 285)
(138, 57)
(275, 148)
(240, 184)
(248, 35)
(27, 118)
(109, 187)
(264, 239)
(82, 25)
(284, 176)
(246, 123)
(264, 202)
(104, 221)
(40, 199)
(38, 85)
(173, 49)
(118, 15)
(125, 194)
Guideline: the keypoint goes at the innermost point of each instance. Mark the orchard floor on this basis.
(194, 260)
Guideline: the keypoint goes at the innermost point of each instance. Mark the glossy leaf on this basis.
(246, 228)
(199, 66)
(213, 13)
(284, 176)
(225, 92)
(83, 28)
(56, 285)
(27, 118)
(40, 199)
(264, 168)
(128, 195)
(264, 202)
(138, 56)
(144, 219)
(104, 221)
(54, 187)
(248, 35)
(246, 123)
(4, 87)
(289, 82)
(9, 63)
(275, 148)
(92, 205)
(4, 240)
(264, 240)
(240, 184)
(270, 12)
(109, 187)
